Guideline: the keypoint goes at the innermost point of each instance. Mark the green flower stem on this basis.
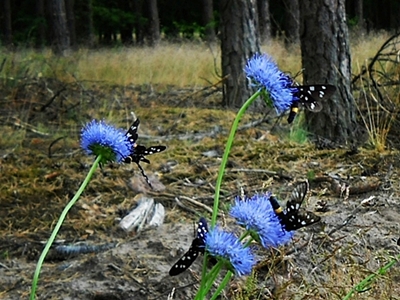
(228, 147)
(58, 226)
(244, 235)
(222, 285)
(248, 242)
(211, 277)
(367, 281)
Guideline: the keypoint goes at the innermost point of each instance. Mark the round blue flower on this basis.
(99, 138)
(226, 246)
(259, 218)
(264, 73)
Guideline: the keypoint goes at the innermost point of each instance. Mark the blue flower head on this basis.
(259, 218)
(226, 246)
(265, 74)
(99, 138)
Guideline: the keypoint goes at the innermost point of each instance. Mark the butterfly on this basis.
(291, 218)
(198, 246)
(309, 96)
(138, 151)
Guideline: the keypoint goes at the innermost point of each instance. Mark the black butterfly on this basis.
(139, 152)
(291, 218)
(309, 96)
(198, 246)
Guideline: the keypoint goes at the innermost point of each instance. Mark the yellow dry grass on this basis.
(179, 64)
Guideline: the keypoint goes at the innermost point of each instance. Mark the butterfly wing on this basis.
(139, 151)
(294, 218)
(187, 259)
(310, 96)
(198, 246)
(132, 132)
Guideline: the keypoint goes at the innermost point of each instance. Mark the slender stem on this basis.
(58, 226)
(222, 285)
(367, 281)
(210, 277)
(221, 172)
(228, 147)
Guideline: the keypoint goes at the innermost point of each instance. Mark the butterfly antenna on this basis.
(144, 175)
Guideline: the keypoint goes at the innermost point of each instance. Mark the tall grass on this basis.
(181, 65)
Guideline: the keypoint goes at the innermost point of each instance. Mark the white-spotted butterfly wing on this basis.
(310, 96)
(292, 218)
(198, 246)
(139, 151)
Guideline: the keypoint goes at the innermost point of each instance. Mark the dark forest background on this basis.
(92, 23)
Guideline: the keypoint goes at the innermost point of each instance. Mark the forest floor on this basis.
(42, 167)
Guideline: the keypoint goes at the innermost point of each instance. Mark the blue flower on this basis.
(265, 74)
(99, 138)
(259, 218)
(226, 246)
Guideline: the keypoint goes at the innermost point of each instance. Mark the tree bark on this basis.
(292, 22)
(238, 43)
(208, 21)
(85, 34)
(153, 26)
(264, 21)
(138, 26)
(41, 31)
(8, 38)
(326, 59)
(69, 9)
(61, 40)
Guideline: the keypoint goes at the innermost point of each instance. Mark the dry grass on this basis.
(181, 65)
(365, 47)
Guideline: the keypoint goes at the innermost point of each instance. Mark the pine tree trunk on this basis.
(264, 21)
(208, 21)
(61, 40)
(8, 38)
(69, 10)
(153, 27)
(326, 59)
(292, 22)
(41, 31)
(138, 26)
(85, 34)
(238, 43)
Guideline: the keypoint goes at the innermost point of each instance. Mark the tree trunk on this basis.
(208, 21)
(238, 43)
(153, 26)
(61, 41)
(326, 59)
(292, 22)
(394, 15)
(69, 9)
(264, 21)
(138, 26)
(85, 34)
(359, 13)
(8, 38)
(41, 31)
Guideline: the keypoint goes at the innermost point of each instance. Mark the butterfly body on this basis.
(291, 218)
(139, 152)
(309, 96)
(197, 246)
